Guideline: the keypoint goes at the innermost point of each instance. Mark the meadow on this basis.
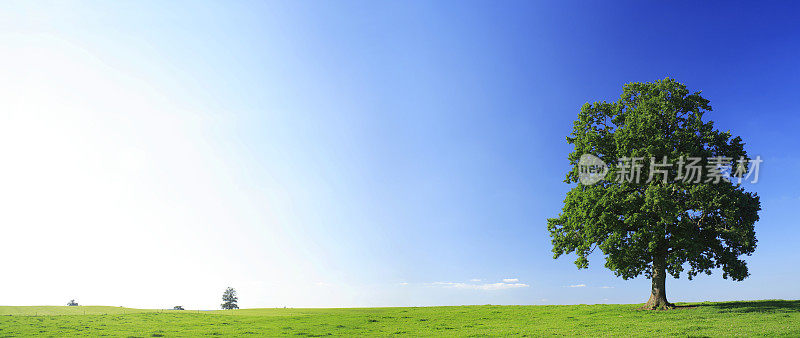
(751, 318)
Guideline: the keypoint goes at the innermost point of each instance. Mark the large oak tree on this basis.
(661, 226)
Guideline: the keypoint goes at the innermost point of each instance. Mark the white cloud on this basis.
(606, 287)
(486, 286)
(510, 280)
(403, 283)
(475, 280)
(578, 286)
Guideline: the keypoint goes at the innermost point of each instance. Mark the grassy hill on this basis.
(66, 310)
(692, 319)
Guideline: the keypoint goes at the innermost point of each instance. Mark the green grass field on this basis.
(693, 319)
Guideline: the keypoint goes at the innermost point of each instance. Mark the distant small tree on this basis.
(229, 299)
(72, 303)
(177, 307)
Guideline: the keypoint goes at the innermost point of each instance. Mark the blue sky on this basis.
(355, 153)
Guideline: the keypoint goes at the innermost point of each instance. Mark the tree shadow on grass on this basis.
(782, 306)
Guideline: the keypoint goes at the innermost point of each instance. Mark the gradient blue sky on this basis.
(355, 153)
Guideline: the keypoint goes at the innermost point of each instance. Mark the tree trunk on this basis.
(658, 292)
